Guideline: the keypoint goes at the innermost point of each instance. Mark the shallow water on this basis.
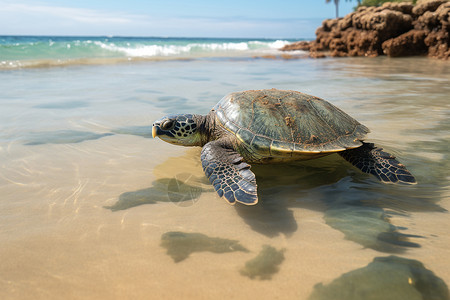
(18, 52)
(88, 198)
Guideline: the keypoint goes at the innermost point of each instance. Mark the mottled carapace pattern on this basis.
(286, 123)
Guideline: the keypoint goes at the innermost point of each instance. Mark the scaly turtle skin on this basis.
(273, 126)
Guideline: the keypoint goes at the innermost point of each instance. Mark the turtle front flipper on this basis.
(375, 161)
(228, 173)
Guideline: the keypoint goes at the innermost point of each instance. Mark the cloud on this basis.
(22, 17)
(76, 14)
(25, 18)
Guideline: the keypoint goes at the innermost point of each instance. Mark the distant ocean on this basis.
(41, 51)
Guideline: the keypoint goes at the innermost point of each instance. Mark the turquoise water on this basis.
(37, 51)
(92, 207)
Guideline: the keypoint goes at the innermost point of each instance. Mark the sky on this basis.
(168, 18)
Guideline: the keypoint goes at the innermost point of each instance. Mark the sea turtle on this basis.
(273, 126)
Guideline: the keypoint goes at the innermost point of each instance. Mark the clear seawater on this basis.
(45, 51)
(91, 207)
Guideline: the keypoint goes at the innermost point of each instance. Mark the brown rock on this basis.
(438, 44)
(410, 43)
(363, 43)
(388, 23)
(427, 5)
(345, 22)
(427, 21)
(403, 7)
(435, 20)
(437, 24)
(329, 24)
(302, 45)
(443, 15)
(394, 29)
(323, 39)
(315, 54)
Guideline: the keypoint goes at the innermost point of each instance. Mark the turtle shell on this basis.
(276, 122)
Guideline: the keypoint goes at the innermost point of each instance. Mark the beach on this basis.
(90, 202)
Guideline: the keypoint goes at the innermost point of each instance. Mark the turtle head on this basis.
(181, 129)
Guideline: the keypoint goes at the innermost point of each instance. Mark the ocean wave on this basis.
(194, 49)
(26, 52)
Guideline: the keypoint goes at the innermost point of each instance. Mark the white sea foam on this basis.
(145, 50)
(191, 49)
(271, 45)
(56, 51)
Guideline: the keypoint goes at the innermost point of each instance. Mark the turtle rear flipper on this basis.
(228, 173)
(375, 161)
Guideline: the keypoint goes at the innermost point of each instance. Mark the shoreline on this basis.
(86, 210)
(39, 52)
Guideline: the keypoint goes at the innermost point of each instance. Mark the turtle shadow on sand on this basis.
(352, 202)
(180, 245)
(385, 278)
(69, 136)
(279, 187)
(265, 264)
(182, 190)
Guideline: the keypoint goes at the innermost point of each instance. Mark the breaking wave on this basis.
(20, 52)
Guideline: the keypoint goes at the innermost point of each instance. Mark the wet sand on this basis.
(84, 218)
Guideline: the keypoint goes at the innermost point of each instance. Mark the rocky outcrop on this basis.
(410, 43)
(394, 29)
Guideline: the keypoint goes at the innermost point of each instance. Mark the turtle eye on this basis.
(167, 124)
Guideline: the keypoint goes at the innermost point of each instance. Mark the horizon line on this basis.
(154, 36)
